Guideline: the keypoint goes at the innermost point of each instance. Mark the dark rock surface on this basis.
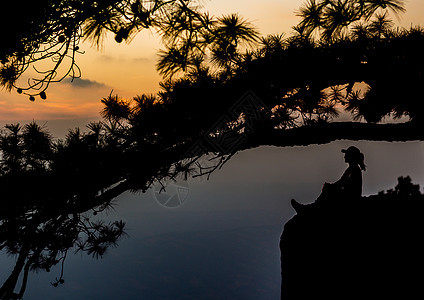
(371, 248)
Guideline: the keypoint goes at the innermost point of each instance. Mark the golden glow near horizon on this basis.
(129, 69)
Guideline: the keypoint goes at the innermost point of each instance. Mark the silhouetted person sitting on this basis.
(349, 186)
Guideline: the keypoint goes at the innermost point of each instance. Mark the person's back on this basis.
(350, 184)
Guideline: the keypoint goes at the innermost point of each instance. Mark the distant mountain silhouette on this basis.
(369, 249)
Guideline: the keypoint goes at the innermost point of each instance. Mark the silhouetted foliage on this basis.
(374, 73)
(51, 31)
(46, 187)
(332, 18)
(372, 69)
(196, 37)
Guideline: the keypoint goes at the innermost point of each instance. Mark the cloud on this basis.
(123, 58)
(83, 83)
(105, 57)
(142, 59)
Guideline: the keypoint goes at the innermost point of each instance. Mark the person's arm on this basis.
(343, 180)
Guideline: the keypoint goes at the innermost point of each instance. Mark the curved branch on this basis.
(326, 133)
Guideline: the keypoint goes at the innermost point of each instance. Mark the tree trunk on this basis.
(7, 289)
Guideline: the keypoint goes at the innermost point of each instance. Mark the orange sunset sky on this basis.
(129, 69)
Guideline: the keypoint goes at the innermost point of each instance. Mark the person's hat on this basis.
(352, 150)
